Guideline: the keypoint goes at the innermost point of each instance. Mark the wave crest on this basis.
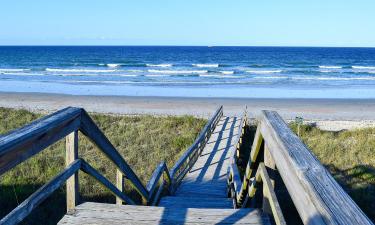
(205, 65)
(159, 65)
(178, 71)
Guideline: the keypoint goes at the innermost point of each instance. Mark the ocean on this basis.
(241, 72)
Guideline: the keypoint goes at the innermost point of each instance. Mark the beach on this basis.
(329, 114)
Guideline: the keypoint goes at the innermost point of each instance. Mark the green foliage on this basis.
(144, 141)
(350, 157)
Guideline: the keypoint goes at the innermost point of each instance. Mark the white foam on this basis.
(134, 71)
(227, 72)
(263, 71)
(178, 71)
(220, 76)
(79, 70)
(364, 67)
(13, 70)
(333, 78)
(21, 74)
(271, 77)
(113, 65)
(330, 67)
(156, 75)
(159, 65)
(206, 65)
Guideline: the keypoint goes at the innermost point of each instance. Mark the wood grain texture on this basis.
(27, 206)
(318, 198)
(91, 130)
(186, 161)
(120, 184)
(85, 167)
(71, 154)
(272, 207)
(23, 143)
(98, 213)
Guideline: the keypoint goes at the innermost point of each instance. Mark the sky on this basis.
(188, 22)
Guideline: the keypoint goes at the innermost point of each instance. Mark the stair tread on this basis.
(195, 202)
(101, 213)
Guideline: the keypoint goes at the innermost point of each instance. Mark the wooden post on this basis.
(270, 166)
(120, 184)
(72, 183)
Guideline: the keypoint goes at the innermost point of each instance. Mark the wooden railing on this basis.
(318, 198)
(21, 144)
(187, 160)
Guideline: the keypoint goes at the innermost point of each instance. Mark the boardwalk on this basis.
(200, 198)
(205, 186)
(194, 190)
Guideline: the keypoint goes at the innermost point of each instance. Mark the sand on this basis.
(328, 114)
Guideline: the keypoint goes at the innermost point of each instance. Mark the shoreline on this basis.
(328, 114)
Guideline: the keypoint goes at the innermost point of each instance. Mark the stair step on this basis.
(104, 214)
(197, 189)
(191, 202)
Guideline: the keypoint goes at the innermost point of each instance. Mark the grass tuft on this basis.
(144, 141)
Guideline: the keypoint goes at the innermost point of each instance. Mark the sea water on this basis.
(261, 72)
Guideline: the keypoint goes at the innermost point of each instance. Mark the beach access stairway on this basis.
(205, 186)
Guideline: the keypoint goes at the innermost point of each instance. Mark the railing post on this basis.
(120, 184)
(269, 165)
(72, 183)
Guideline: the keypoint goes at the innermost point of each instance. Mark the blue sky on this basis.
(188, 22)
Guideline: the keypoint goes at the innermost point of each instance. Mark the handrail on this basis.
(189, 157)
(318, 198)
(21, 144)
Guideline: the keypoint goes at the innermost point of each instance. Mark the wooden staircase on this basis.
(203, 187)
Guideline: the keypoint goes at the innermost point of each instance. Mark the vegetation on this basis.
(143, 141)
(350, 157)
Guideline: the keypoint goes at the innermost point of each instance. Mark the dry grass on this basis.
(350, 157)
(143, 141)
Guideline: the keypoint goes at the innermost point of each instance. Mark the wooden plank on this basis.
(91, 130)
(91, 171)
(27, 206)
(120, 184)
(202, 137)
(318, 198)
(158, 172)
(71, 154)
(196, 202)
(273, 207)
(98, 213)
(23, 143)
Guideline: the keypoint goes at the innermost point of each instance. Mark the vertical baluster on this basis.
(120, 184)
(270, 166)
(72, 183)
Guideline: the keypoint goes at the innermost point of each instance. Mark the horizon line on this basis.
(210, 46)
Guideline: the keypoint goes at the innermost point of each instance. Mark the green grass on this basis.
(144, 141)
(350, 157)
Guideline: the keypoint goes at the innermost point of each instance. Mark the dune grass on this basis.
(144, 141)
(350, 157)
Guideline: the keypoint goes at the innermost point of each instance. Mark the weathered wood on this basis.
(156, 198)
(99, 213)
(318, 198)
(71, 155)
(89, 128)
(27, 206)
(85, 167)
(120, 184)
(269, 164)
(23, 143)
(196, 202)
(273, 207)
(200, 140)
(158, 172)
